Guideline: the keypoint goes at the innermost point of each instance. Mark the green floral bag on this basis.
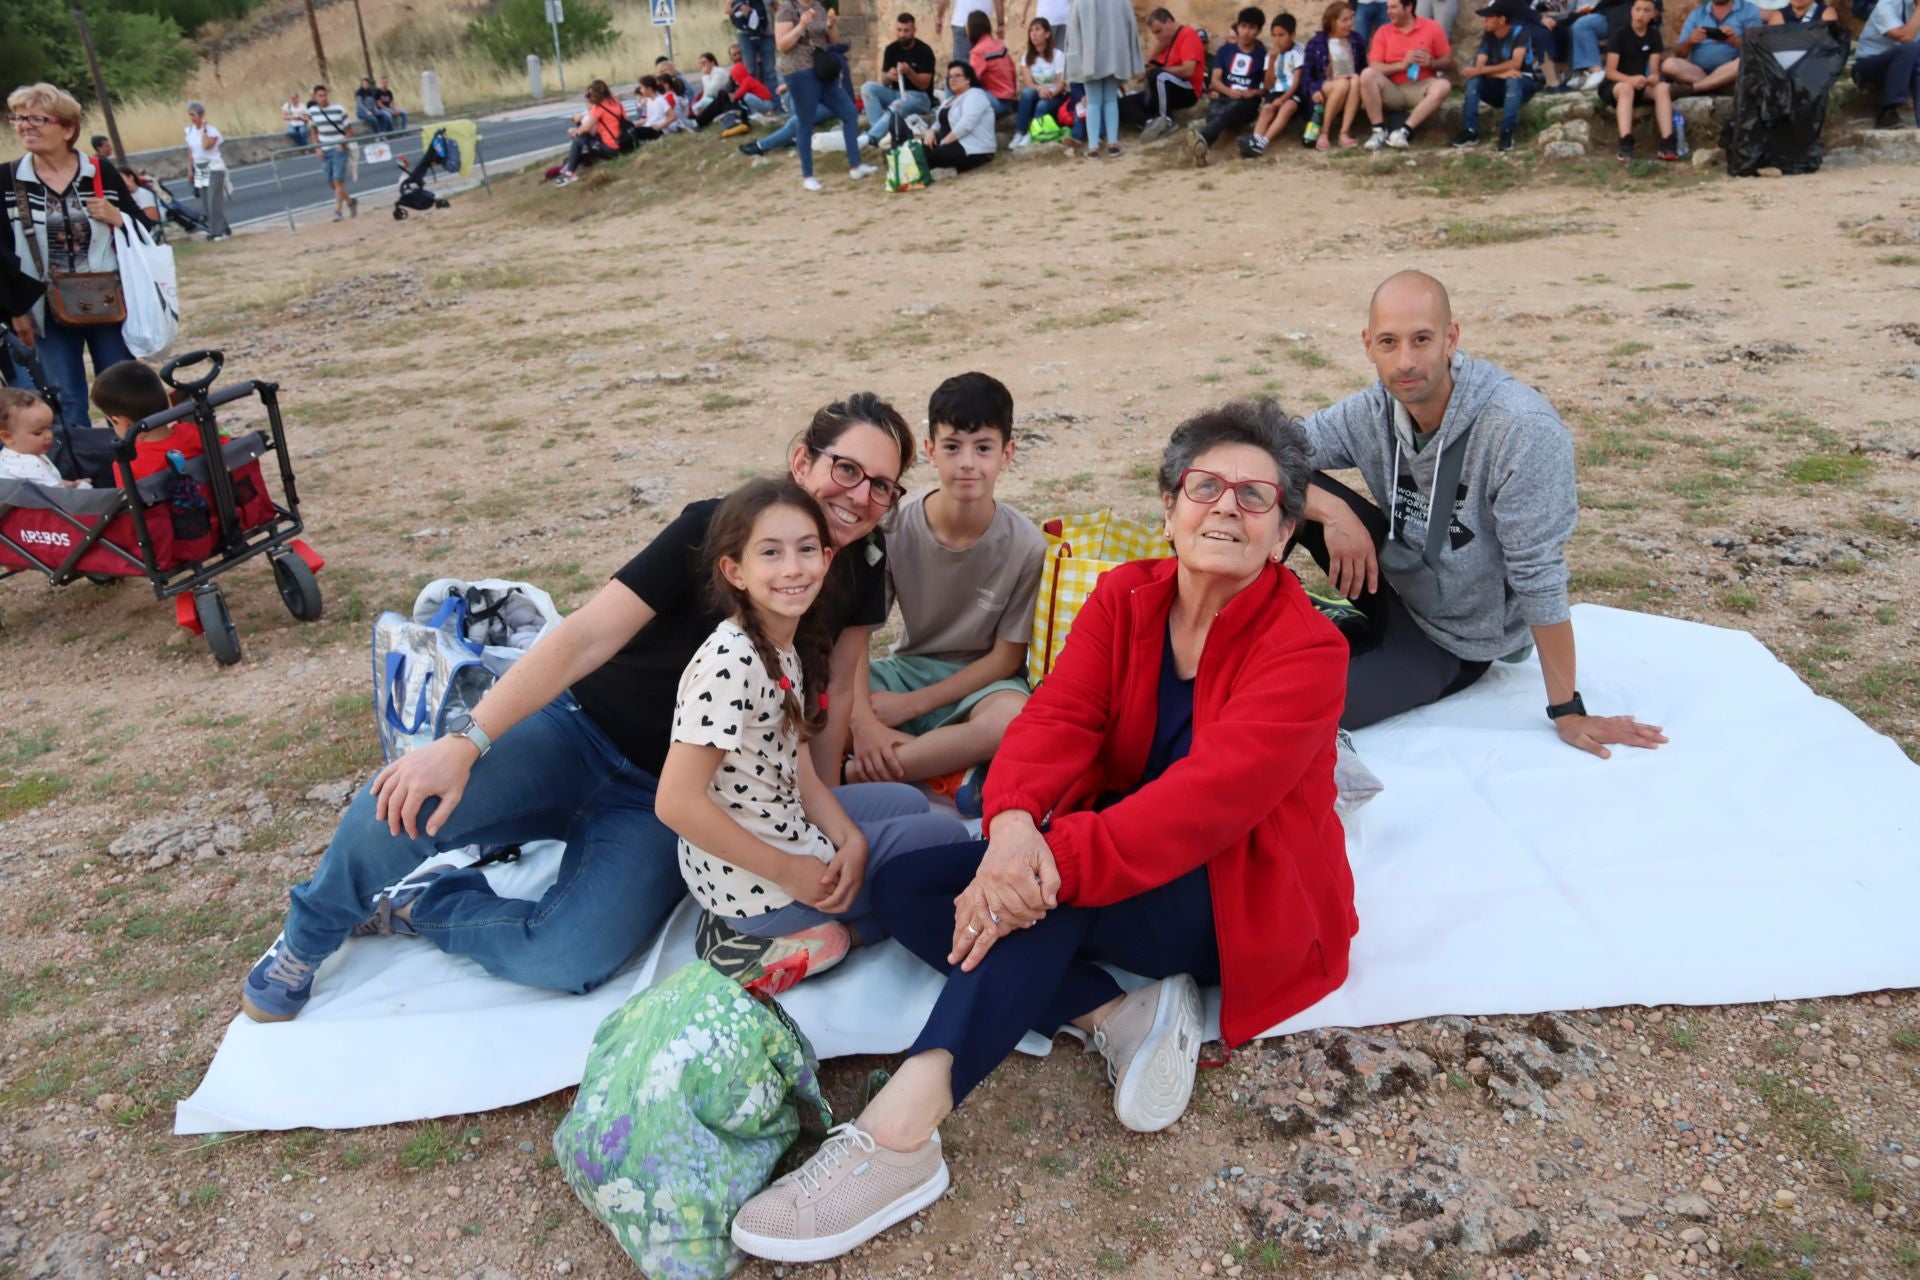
(686, 1105)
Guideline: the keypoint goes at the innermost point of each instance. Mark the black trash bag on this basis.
(1780, 98)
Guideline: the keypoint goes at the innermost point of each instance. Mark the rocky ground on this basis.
(530, 384)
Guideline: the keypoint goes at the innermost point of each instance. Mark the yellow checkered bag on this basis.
(1079, 550)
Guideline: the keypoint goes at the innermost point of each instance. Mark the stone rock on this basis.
(1707, 157)
(1691, 1207)
(10, 1238)
(334, 795)
(1572, 106)
(1606, 1209)
(73, 1255)
(1769, 172)
(1565, 150)
(487, 1271)
(649, 491)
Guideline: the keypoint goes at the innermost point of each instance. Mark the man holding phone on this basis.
(1707, 56)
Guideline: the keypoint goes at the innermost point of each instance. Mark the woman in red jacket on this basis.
(1163, 804)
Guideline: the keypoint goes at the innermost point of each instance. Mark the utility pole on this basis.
(319, 50)
(99, 83)
(362, 24)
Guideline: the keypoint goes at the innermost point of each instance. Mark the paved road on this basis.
(257, 198)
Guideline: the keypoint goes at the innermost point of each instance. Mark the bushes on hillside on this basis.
(519, 27)
(142, 53)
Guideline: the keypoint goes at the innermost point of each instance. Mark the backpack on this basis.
(1046, 129)
(446, 153)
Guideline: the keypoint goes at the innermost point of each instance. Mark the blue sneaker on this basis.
(279, 985)
(968, 797)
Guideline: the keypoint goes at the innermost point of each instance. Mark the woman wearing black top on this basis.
(577, 731)
(74, 203)
(1633, 77)
(1799, 13)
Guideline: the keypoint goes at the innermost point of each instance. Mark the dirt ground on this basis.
(530, 384)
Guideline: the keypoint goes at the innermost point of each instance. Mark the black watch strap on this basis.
(1571, 707)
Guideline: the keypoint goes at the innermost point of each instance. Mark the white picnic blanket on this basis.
(1771, 851)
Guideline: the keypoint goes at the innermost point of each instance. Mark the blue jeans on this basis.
(883, 102)
(1711, 55)
(896, 820)
(1042, 977)
(297, 134)
(1030, 104)
(785, 134)
(333, 164)
(807, 95)
(1589, 32)
(63, 351)
(556, 776)
(1100, 115)
(1368, 17)
(1895, 71)
(757, 52)
(1496, 93)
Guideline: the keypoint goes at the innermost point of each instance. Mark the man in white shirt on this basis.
(331, 129)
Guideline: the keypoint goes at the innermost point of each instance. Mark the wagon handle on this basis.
(198, 385)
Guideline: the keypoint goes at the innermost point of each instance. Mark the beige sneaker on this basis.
(847, 1192)
(1152, 1046)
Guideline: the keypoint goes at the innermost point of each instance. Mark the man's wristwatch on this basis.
(465, 726)
(1571, 707)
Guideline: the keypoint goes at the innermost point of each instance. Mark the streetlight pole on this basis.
(319, 50)
(99, 83)
(362, 24)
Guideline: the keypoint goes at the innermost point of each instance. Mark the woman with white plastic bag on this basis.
(151, 288)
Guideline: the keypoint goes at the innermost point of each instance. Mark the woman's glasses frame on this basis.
(1255, 497)
(850, 475)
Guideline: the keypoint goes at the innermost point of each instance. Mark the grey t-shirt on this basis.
(955, 604)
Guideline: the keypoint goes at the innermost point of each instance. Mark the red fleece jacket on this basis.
(1252, 800)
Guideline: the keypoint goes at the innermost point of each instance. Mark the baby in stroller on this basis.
(26, 438)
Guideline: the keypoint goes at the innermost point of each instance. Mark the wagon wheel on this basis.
(217, 624)
(299, 588)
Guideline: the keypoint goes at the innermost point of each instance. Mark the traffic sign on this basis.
(663, 13)
(556, 13)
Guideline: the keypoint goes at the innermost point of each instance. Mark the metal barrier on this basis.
(424, 134)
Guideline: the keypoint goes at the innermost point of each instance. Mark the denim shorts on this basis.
(333, 163)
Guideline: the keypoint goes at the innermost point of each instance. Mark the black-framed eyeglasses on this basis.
(849, 475)
(1255, 497)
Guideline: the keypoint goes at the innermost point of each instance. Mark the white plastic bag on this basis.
(151, 288)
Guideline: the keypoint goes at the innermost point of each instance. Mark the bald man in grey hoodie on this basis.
(1436, 616)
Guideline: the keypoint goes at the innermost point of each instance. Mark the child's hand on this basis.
(844, 875)
(892, 709)
(875, 750)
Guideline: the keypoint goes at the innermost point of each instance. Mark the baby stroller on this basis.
(178, 214)
(180, 529)
(441, 151)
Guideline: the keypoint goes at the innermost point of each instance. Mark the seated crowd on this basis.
(1388, 59)
(711, 723)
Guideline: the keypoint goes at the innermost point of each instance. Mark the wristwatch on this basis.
(465, 726)
(1571, 707)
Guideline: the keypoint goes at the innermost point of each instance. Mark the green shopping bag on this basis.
(907, 168)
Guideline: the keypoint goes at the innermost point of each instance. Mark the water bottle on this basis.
(1313, 126)
(1680, 134)
(1413, 72)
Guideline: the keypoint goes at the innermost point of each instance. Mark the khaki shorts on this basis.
(1403, 97)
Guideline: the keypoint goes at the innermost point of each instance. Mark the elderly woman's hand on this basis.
(1016, 885)
(102, 210)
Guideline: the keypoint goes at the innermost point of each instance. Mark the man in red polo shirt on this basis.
(1176, 77)
(1403, 69)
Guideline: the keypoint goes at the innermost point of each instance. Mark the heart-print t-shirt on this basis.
(730, 701)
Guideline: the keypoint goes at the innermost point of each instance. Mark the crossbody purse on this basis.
(73, 297)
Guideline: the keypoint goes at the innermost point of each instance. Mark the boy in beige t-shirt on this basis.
(964, 570)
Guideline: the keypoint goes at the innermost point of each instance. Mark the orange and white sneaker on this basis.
(847, 1192)
(768, 966)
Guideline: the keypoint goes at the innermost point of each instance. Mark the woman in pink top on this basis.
(992, 64)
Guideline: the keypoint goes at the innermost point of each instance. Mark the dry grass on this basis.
(243, 90)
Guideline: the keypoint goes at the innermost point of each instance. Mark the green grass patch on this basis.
(1670, 286)
(1608, 445)
(1809, 1122)
(24, 795)
(1306, 357)
(432, 1146)
(1739, 599)
(1830, 468)
(1086, 319)
(1617, 577)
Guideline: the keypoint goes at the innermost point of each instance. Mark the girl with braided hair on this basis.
(776, 857)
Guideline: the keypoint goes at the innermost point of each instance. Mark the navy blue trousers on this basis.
(1040, 978)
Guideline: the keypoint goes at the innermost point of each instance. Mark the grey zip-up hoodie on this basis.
(1504, 569)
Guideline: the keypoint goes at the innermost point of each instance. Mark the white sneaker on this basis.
(1152, 1046)
(1376, 139)
(861, 171)
(1399, 140)
(1592, 80)
(810, 184)
(1020, 140)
